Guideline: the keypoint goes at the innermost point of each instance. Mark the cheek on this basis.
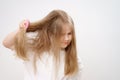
(61, 39)
(70, 38)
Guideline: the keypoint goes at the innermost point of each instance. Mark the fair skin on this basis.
(66, 36)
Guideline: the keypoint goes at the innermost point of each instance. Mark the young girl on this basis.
(47, 47)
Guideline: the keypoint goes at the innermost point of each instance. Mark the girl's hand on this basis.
(24, 24)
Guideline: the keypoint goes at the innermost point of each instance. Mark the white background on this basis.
(97, 24)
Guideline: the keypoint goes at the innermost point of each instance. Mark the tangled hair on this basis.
(48, 39)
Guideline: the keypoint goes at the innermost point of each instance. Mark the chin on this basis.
(63, 47)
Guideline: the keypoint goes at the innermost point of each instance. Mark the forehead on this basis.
(66, 28)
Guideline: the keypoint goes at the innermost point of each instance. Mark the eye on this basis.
(69, 33)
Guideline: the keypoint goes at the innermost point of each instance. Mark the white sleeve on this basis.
(80, 64)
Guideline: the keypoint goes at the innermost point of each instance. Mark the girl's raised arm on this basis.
(9, 40)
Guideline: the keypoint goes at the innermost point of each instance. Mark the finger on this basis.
(26, 23)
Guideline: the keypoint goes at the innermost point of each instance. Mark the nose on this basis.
(66, 37)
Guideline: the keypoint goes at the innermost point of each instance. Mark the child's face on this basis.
(66, 36)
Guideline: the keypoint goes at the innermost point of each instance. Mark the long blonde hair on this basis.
(49, 31)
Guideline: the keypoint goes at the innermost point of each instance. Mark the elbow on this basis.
(5, 44)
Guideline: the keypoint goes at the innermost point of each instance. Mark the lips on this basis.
(66, 43)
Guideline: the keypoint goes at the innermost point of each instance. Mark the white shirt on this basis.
(46, 69)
